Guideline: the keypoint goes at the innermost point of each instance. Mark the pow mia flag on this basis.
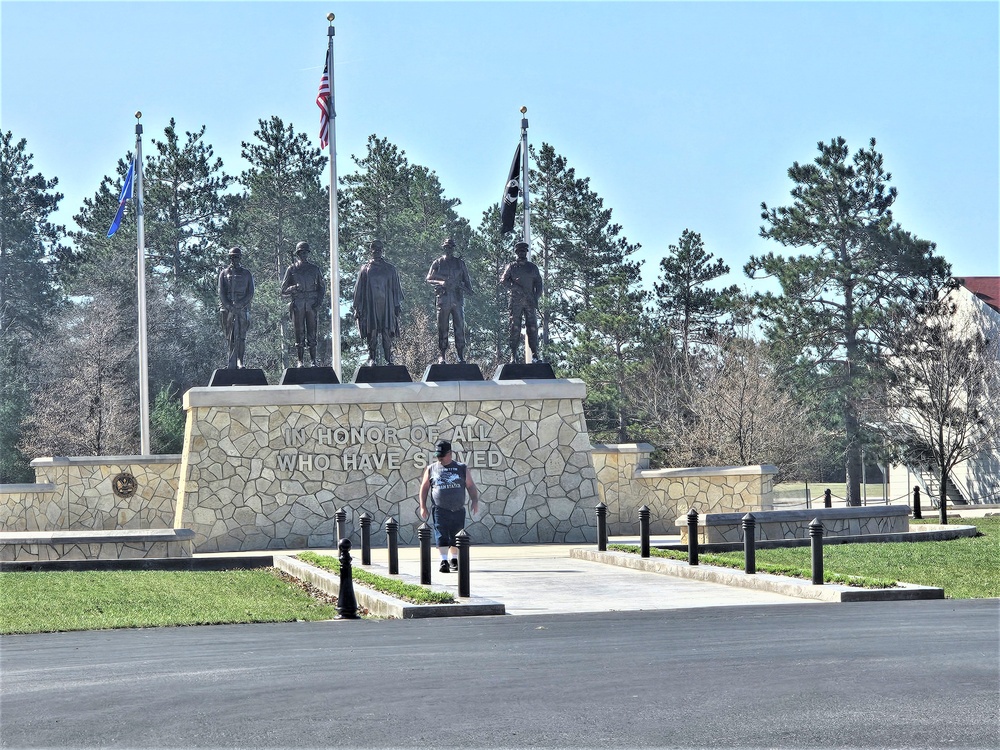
(508, 206)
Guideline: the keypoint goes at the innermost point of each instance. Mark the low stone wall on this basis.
(75, 493)
(626, 483)
(30, 546)
(794, 524)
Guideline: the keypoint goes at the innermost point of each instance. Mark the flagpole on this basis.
(141, 284)
(527, 210)
(524, 175)
(334, 222)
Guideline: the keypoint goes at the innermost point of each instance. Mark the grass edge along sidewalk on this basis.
(775, 584)
(385, 603)
(967, 568)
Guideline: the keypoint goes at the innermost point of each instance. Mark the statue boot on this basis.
(312, 354)
(387, 350)
(514, 359)
(460, 351)
(441, 359)
(299, 354)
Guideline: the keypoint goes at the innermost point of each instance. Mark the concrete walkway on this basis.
(544, 579)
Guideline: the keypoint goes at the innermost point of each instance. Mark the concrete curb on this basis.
(383, 605)
(802, 589)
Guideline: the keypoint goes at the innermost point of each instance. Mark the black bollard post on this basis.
(827, 498)
(424, 537)
(749, 544)
(347, 603)
(602, 527)
(917, 513)
(692, 537)
(644, 531)
(816, 539)
(392, 541)
(366, 538)
(341, 516)
(462, 542)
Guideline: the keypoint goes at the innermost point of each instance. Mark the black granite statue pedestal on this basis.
(382, 374)
(444, 373)
(520, 371)
(238, 376)
(309, 376)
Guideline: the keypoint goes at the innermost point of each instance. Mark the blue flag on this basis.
(126, 194)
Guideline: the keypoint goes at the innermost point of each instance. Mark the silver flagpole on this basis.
(527, 210)
(141, 284)
(524, 176)
(334, 222)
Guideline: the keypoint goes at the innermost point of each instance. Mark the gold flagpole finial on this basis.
(330, 17)
(524, 110)
(138, 114)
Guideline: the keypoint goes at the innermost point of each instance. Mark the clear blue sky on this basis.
(684, 115)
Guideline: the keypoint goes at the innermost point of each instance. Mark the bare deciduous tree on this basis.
(87, 404)
(943, 397)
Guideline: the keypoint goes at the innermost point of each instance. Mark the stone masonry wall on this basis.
(268, 468)
(76, 494)
(626, 484)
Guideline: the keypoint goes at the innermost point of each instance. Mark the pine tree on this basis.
(607, 350)
(833, 313)
(403, 205)
(32, 257)
(186, 210)
(30, 244)
(283, 203)
(684, 302)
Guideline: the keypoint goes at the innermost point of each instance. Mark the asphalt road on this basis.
(906, 674)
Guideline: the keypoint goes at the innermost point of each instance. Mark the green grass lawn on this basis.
(964, 568)
(36, 602)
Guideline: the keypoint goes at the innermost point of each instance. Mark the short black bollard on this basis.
(827, 499)
(424, 537)
(347, 603)
(366, 538)
(392, 541)
(462, 542)
(341, 516)
(692, 537)
(816, 540)
(602, 527)
(917, 513)
(644, 531)
(749, 544)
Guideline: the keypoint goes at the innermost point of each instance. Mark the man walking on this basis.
(446, 481)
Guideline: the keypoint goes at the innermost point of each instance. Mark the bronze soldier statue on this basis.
(451, 281)
(524, 287)
(236, 290)
(378, 302)
(303, 285)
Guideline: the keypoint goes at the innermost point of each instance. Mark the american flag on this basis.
(323, 101)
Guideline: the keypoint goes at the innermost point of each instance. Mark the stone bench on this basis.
(716, 528)
(96, 544)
